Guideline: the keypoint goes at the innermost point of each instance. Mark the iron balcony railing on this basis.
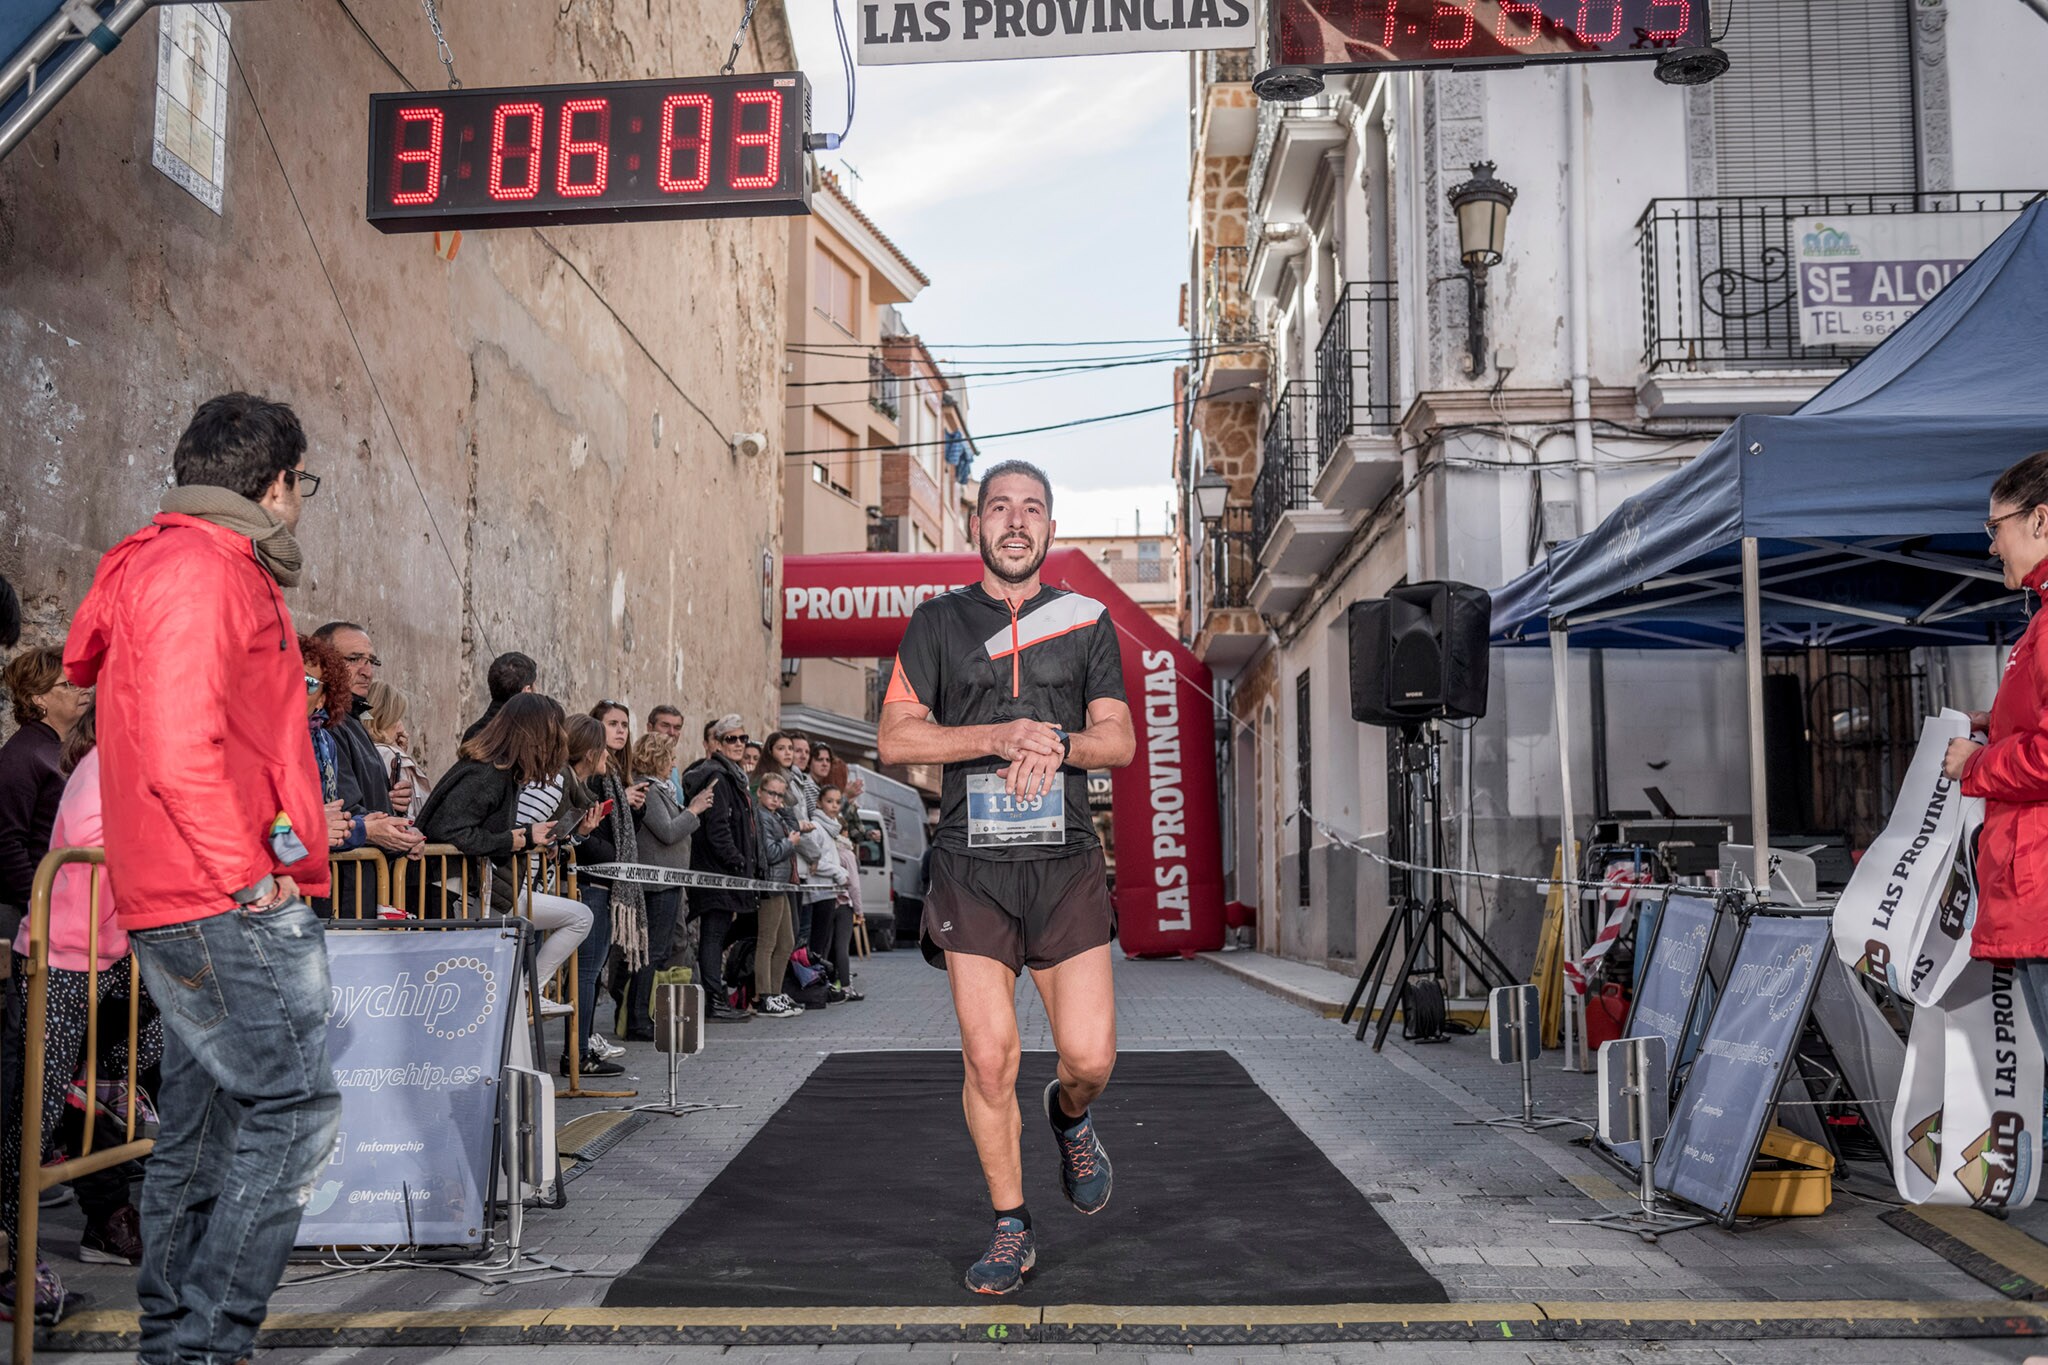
(1355, 367)
(1287, 460)
(885, 387)
(1230, 561)
(1719, 288)
(1229, 316)
(1227, 66)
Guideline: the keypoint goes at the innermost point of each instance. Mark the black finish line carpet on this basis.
(863, 1191)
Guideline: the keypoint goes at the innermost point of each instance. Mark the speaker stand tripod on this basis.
(1418, 926)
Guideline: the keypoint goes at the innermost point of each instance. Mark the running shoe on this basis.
(1010, 1253)
(51, 1300)
(1084, 1162)
(605, 1047)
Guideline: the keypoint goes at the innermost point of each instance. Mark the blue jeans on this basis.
(250, 1111)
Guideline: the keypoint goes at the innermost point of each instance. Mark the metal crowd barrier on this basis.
(36, 1175)
(450, 864)
(374, 870)
(400, 882)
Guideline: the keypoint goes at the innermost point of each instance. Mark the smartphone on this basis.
(604, 807)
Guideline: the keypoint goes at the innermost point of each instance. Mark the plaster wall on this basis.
(512, 460)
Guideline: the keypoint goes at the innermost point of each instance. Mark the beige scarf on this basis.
(276, 548)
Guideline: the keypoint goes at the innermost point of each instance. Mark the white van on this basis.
(900, 809)
(871, 854)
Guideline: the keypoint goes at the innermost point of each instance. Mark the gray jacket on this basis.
(666, 825)
(777, 848)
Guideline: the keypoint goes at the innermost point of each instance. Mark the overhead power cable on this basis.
(1050, 371)
(998, 345)
(987, 436)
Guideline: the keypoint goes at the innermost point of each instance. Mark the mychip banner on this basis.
(416, 1035)
(894, 32)
(1862, 275)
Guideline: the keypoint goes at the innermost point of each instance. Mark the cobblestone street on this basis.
(1473, 1203)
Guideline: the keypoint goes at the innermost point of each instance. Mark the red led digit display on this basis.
(705, 147)
(416, 160)
(1382, 34)
(676, 111)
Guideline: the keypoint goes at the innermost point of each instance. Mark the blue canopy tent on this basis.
(1857, 519)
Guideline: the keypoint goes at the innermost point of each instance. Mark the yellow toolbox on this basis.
(1792, 1178)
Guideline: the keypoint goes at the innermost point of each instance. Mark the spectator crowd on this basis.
(538, 790)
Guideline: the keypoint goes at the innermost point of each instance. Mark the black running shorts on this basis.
(1023, 912)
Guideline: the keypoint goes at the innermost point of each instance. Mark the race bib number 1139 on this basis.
(996, 818)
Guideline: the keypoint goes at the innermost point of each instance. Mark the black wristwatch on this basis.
(1066, 744)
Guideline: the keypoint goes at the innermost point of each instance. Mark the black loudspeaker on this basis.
(1419, 653)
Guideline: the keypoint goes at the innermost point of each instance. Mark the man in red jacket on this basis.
(215, 834)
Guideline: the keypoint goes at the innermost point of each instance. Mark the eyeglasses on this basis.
(67, 685)
(775, 792)
(1991, 526)
(354, 659)
(307, 484)
(734, 739)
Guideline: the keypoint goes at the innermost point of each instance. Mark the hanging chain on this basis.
(441, 40)
(737, 38)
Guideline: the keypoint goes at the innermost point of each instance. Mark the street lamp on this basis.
(1482, 205)
(1212, 494)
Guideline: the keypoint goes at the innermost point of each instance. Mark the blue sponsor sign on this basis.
(1721, 1113)
(416, 1034)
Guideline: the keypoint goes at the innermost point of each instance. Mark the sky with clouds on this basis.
(1047, 201)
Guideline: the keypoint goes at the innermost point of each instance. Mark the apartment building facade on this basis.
(1376, 414)
(877, 434)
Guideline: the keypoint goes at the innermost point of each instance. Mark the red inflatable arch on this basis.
(1169, 878)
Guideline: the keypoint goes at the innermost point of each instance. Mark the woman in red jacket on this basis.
(2010, 771)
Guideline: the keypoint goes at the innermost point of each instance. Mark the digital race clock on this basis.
(706, 147)
(1382, 34)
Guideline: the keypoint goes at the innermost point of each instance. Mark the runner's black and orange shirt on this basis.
(969, 659)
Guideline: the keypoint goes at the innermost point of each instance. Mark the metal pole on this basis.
(1574, 1016)
(98, 41)
(1753, 665)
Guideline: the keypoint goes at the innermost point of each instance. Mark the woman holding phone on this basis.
(665, 825)
(475, 807)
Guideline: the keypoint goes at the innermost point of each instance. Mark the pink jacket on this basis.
(78, 826)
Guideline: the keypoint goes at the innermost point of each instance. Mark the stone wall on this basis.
(515, 458)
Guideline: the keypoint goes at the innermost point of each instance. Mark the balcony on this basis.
(1358, 453)
(1294, 536)
(1229, 117)
(1720, 296)
(1230, 632)
(1291, 141)
(1232, 351)
(885, 387)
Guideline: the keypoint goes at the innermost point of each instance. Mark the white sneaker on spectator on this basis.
(605, 1047)
(779, 1007)
(553, 1009)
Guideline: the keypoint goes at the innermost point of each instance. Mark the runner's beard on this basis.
(988, 559)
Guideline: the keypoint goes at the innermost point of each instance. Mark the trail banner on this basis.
(1967, 1124)
(894, 32)
(1906, 913)
(416, 1034)
(1862, 275)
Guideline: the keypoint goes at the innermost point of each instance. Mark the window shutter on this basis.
(1818, 99)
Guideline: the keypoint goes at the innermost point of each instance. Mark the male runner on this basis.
(1017, 689)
